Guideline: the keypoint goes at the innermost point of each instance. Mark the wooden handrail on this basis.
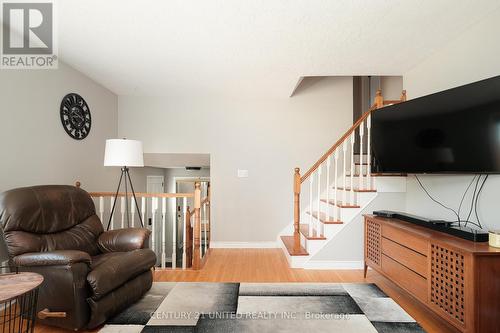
(145, 195)
(78, 184)
(337, 144)
(378, 103)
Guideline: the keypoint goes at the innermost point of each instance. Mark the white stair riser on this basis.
(361, 198)
(294, 261)
(346, 214)
(373, 180)
(361, 167)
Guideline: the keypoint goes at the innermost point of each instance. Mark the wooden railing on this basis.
(153, 209)
(342, 153)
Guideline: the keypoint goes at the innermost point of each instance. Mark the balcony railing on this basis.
(189, 228)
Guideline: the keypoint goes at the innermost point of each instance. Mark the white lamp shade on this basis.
(123, 152)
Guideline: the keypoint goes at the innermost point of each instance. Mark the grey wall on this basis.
(35, 148)
(268, 137)
(471, 57)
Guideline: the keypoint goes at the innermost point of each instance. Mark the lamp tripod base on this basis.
(125, 176)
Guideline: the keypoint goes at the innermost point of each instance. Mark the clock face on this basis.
(75, 116)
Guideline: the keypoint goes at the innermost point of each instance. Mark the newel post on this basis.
(197, 226)
(296, 209)
(379, 100)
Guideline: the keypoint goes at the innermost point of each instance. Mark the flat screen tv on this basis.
(453, 131)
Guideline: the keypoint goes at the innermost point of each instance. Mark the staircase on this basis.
(335, 192)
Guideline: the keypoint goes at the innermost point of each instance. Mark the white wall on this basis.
(34, 146)
(471, 57)
(269, 137)
(139, 177)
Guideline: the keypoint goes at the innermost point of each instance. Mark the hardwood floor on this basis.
(270, 265)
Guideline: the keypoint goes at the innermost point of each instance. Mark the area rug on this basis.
(263, 307)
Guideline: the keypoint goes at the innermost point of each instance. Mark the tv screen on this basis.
(454, 131)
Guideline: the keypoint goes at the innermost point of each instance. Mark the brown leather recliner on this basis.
(88, 273)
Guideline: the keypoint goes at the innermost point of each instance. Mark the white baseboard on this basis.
(331, 264)
(244, 245)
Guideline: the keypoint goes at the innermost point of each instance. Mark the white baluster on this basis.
(361, 132)
(335, 175)
(163, 231)
(311, 182)
(174, 233)
(319, 200)
(201, 248)
(329, 206)
(101, 208)
(205, 226)
(112, 202)
(184, 222)
(369, 153)
(154, 207)
(353, 169)
(122, 211)
(132, 212)
(344, 174)
(143, 211)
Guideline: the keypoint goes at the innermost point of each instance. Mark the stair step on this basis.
(304, 230)
(340, 204)
(356, 189)
(324, 219)
(289, 242)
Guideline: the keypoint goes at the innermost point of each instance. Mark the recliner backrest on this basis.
(47, 218)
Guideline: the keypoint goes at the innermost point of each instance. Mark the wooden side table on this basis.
(18, 301)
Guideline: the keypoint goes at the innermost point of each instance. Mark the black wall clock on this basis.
(75, 116)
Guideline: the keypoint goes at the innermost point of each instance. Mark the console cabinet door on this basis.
(373, 243)
(448, 281)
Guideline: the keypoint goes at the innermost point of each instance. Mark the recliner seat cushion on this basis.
(52, 258)
(118, 269)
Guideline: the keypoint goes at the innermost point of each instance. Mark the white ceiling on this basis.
(252, 47)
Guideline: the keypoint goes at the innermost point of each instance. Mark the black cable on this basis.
(468, 222)
(477, 199)
(463, 197)
(472, 200)
(439, 203)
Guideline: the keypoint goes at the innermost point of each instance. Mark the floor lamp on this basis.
(124, 153)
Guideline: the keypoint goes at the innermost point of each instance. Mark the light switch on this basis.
(242, 173)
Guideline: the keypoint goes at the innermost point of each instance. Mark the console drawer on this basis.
(413, 260)
(405, 238)
(406, 278)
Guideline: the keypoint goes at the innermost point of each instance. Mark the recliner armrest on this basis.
(52, 258)
(123, 240)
